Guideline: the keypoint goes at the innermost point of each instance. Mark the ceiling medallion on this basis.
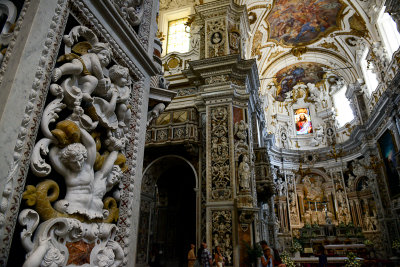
(300, 22)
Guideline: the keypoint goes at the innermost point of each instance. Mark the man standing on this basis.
(206, 259)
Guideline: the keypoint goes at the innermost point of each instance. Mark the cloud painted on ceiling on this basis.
(302, 22)
(288, 77)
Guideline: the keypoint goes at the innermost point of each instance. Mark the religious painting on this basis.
(303, 121)
(302, 22)
(304, 72)
(388, 151)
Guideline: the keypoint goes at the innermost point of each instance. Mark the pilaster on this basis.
(226, 82)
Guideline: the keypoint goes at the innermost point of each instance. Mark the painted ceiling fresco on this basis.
(302, 22)
(288, 77)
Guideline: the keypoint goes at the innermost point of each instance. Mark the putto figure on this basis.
(87, 68)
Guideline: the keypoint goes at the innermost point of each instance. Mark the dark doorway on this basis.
(174, 223)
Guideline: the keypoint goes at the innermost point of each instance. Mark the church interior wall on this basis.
(270, 119)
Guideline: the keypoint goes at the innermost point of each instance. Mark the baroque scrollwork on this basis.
(85, 133)
(57, 242)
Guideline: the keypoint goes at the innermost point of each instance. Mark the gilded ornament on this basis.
(252, 17)
(327, 45)
(299, 51)
(66, 132)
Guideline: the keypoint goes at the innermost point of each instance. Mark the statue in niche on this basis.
(87, 69)
(358, 169)
(241, 130)
(244, 173)
(350, 181)
(281, 187)
(195, 36)
(318, 136)
(330, 136)
(340, 197)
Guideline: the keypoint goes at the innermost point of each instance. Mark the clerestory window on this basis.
(178, 36)
(344, 113)
(388, 30)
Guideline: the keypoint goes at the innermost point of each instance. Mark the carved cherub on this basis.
(241, 130)
(120, 78)
(87, 68)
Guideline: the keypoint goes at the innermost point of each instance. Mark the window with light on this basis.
(369, 76)
(389, 33)
(178, 36)
(344, 113)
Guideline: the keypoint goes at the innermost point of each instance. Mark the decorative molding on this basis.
(29, 127)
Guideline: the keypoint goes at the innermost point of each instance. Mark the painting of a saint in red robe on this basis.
(303, 121)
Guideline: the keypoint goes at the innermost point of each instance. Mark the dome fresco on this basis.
(292, 75)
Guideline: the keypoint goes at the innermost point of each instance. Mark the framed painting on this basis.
(303, 122)
(388, 151)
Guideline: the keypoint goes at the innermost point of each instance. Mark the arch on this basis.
(330, 59)
(319, 172)
(174, 156)
(150, 195)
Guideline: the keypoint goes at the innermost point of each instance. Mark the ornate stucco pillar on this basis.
(227, 82)
(355, 94)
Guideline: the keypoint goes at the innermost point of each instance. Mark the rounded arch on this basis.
(318, 172)
(159, 198)
(173, 156)
(336, 62)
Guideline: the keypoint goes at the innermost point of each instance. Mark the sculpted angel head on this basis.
(103, 52)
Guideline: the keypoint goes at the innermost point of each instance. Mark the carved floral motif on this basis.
(220, 167)
(222, 232)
